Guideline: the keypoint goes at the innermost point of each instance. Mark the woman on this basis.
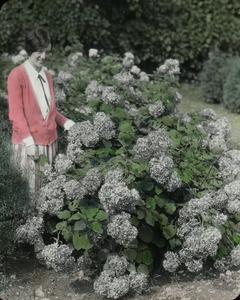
(32, 108)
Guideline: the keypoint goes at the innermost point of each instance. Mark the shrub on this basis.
(231, 86)
(213, 76)
(136, 180)
(14, 192)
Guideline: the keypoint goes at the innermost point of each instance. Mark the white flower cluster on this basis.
(58, 257)
(93, 53)
(62, 164)
(161, 171)
(93, 91)
(128, 60)
(117, 264)
(124, 78)
(31, 230)
(155, 144)
(59, 93)
(85, 110)
(232, 190)
(83, 133)
(157, 109)
(170, 67)
(118, 197)
(219, 219)
(64, 78)
(195, 207)
(235, 256)
(114, 176)
(142, 76)
(104, 126)
(92, 181)
(229, 165)
(115, 281)
(20, 57)
(74, 189)
(171, 261)
(74, 58)
(217, 133)
(110, 95)
(50, 198)
(121, 229)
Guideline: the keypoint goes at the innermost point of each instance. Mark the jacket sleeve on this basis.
(15, 101)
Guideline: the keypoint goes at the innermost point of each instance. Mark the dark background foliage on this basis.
(153, 30)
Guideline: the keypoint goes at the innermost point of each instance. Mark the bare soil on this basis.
(25, 279)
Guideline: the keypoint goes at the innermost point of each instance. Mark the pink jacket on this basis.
(25, 113)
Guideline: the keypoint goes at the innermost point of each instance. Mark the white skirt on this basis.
(30, 168)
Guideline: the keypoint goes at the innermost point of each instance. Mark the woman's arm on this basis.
(15, 101)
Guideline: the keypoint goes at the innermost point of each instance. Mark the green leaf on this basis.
(135, 221)
(103, 254)
(187, 175)
(61, 225)
(158, 190)
(236, 237)
(169, 231)
(95, 226)
(147, 184)
(65, 214)
(163, 219)
(130, 254)
(119, 151)
(77, 216)
(79, 225)
(170, 208)
(167, 120)
(73, 205)
(149, 218)
(107, 143)
(151, 203)
(147, 257)
(67, 233)
(81, 241)
(101, 215)
(89, 212)
(42, 160)
(143, 269)
(160, 201)
(106, 107)
(146, 233)
(176, 137)
(120, 113)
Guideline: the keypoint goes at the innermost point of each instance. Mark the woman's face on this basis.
(37, 58)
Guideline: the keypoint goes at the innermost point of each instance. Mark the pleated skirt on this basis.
(30, 168)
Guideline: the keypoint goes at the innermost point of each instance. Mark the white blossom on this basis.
(157, 109)
(111, 96)
(170, 67)
(93, 53)
(121, 229)
(93, 91)
(171, 261)
(104, 126)
(58, 257)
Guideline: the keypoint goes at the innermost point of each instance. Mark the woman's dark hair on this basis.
(36, 40)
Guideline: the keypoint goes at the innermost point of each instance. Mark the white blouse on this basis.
(37, 87)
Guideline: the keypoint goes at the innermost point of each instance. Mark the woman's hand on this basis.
(32, 151)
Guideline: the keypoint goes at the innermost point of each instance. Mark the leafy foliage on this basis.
(213, 76)
(14, 192)
(185, 30)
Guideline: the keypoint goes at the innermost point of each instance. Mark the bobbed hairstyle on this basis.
(36, 40)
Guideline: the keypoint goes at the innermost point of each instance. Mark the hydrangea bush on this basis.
(138, 184)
